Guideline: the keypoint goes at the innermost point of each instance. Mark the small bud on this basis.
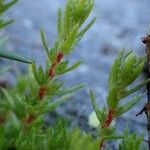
(93, 121)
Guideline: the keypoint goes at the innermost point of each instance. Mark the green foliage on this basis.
(68, 25)
(56, 138)
(101, 114)
(24, 106)
(13, 56)
(131, 141)
(124, 108)
(125, 70)
(109, 134)
(3, 23)
(3, 7)
(80, 141)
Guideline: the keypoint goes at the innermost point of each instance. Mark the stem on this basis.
(42, 92)
(148, 112)
(29, 118)
(109, 118)
(51, 73)
(59, 57)
(146, 40)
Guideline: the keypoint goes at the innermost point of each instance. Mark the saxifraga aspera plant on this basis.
(23, 107)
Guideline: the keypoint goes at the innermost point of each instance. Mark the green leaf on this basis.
(124, 108)
(47, 67)
(139, 67)
(42, 78)
(112, 98)
(35, 72)
(71, 89)
(74, 66)
(14, 120)
(59, 24)
(53, 55)
(95, 106)
(60, 134)
(131, 141)
(86, 10)
(59, 69)
(137, 87)
(44, 42)
(53, 88)
(81, 10)
(86, 28)
(14, 56)
(129, 61)
(66, 20)
(108, 132)
(115, 69)
(55, 104)
(9, 99)
(69, 43)
(39, 120)
(125, 70)
(79, 140)
(5, 23)
(5, 6)
(114, 137)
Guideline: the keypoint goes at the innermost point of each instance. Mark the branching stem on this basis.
(51, 73)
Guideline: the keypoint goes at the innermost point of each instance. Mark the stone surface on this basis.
(120, 24)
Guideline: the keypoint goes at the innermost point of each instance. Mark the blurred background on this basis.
(120, 24)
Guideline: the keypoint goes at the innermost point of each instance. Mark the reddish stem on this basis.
(29, 118)
(51, 73)
(42, 92)
(109, 118)
(59, 57)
